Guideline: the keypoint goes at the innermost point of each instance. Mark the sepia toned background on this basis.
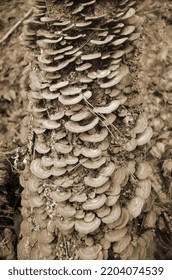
(155, 80)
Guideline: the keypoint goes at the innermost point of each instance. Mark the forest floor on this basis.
(155, 76)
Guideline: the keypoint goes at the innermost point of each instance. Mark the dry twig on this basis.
(18, 23)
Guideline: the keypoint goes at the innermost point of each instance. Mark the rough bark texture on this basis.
(86, 182)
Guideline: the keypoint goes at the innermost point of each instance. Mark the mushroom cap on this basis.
(33, 184)
(95, 182)
(119, 246)
(86, 228)
(37, 169)
(103, 211)
(143, 170)
(95, 203)
(45, 237)
(113, 215)
(76, 128)
(135, 206)
(60, 196)
(96, 137)
(64, 225)
(116, 234)
(65, 210)
(144, 188)
(122, 220)
(141, 124)
(59, 85)
(145, 136)
(93, 164)
(36, 201)
(89, 253)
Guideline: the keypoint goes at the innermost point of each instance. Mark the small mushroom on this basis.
(117, 54)
(85, 80)
(90, 153)
(61, 23)
(144, 188)
(71, 52)
(36, 201)
(83, 67)
(83, 23)
(119, 246)
(95, 182)
(143, 170)
(60, 196)
(65, 226)
(112, 106)
(26, 227)
(114, 189)
(81, 115)
(86, 228)
(128, 14)
(96, 137)
(112, 82)
(46, 249)
(108, 170)
(56, 171)
(62, 65)
(113, 215)
(63, 148)
(141, 124)
(95, 203)
(122, 221)
(57, 115)
(46, 94)
(107, 40)
(80, 214)
(37, 169)
(127, 253)
(41, 147)
(78, 197)
(105, 243)
(130, 145)
(119, 175)
(116, 234)
(103, 188)
(135, 206)
(144, 137)
(45, 43)
(45, 237)
(134, 36)
(90, 56)
(70, 100)
(59, 135)
(59, 85)
(65, 210)
(70, 90)
(23, 249)
(49, 124)
(33, 184)
(102, 73)
(93, 164)
(89, 253)
(111, 200)
(103, 211)
(120, 41)
(127, 30)
(74, 37)
(76, 128)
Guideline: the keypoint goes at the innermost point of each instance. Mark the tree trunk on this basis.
(86, 183)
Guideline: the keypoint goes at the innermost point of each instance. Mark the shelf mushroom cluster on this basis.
(79, 86)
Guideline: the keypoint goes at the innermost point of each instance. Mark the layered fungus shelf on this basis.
(86, 181)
